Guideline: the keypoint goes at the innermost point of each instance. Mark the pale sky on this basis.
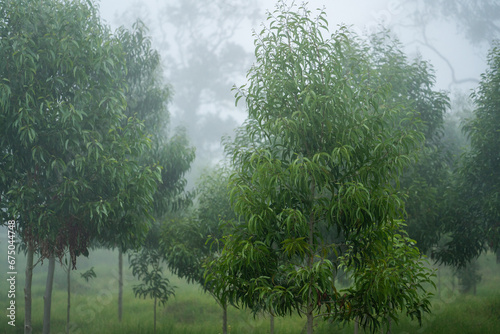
(363, 15)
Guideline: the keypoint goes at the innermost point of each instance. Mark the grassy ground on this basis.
(94, 305)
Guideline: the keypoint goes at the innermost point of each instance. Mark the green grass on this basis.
(94, 306)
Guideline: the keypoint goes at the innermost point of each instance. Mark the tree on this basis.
(474, 215)
(202, 54)
(147, 266)
(191, 240)
(147, 98)
(477, 21)
(66, 165)
(330, 148)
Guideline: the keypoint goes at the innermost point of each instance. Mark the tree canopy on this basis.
(68, 166)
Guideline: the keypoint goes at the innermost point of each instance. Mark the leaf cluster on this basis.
(193, 238)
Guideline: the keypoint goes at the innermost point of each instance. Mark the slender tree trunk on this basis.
(224, 319)
(120, 284)
(498, 256)
(310, 322)
(356, 325)
(27, 290)
(224, 312)
(310, 299)
(154, 331)
(47, 298)
(272, 324)
(439, 281)
(69, 298)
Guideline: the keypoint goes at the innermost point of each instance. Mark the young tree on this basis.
(147, 266)
(329, 150)
(193, 239)
(67, 171)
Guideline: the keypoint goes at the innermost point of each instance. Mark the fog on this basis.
(206, 49)
(203, 101)
(447, 49)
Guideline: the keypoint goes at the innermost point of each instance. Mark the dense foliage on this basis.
(412, 87)
(85, 156)
(68, 166)
(474, 200)
(315, 185)
(340, 162)
(191, 238)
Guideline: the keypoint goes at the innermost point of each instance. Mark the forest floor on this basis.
(94, 305)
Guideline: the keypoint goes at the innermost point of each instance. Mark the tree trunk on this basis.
(120, 284)
(453, 284)
(356, 325)
(498, 256)
(27, 290)
(272, 324)
(154, 330)
(310, 298)
(310, 323)
(69, 297)
(224, 319)
(47, 298)
(439, 281)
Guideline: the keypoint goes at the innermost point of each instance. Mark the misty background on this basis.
(207, 47)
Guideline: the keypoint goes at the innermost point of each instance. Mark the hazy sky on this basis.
(363, 15)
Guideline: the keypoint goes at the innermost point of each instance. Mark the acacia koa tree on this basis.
(325, 153)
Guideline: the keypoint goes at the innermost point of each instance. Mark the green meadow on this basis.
(94, 305)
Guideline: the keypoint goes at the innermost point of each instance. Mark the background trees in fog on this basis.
(202, 57)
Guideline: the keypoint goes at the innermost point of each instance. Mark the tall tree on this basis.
(147, 98)
(478, 21)
(330, 148)
(475, 209)
(66, 144)
(432, 22)
(202, 55)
